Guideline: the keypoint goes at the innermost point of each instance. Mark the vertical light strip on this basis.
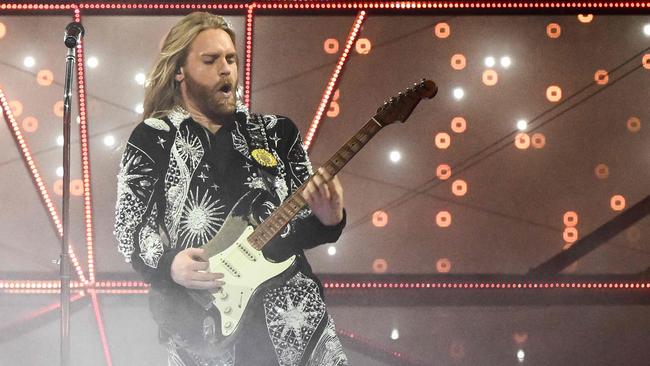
(248, 56)
(36, 178)
(334, 80)
(85, 154)
(100, 327)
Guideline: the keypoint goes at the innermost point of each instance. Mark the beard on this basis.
(210, 102)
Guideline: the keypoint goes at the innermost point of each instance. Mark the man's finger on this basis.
(204, 276)
(198, 266)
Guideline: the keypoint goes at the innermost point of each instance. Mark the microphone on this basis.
(73, 33)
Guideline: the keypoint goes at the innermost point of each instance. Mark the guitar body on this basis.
(207, 322)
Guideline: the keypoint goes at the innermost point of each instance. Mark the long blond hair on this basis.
(162, 92)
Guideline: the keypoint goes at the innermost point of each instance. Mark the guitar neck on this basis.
(268, 229)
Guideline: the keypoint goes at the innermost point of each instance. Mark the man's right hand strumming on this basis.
(190, 269)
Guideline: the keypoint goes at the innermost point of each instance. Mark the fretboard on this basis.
(268, 229)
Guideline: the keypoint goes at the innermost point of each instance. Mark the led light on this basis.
(92, 62)
(139, 109)
(646, 30)
(522, 125)
(490, 61)
(331, 250)
(140, 78)
(521, 355)
(59, 172)
(394, 334)
(506, 61)
(459, 93)
(59, 140)
(29, 61)
(109, 140)
(395, 156)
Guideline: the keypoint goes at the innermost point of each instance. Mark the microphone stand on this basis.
(64, 261)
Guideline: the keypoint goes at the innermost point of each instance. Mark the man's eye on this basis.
(208, 62)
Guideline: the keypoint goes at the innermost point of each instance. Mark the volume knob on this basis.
(223, 295)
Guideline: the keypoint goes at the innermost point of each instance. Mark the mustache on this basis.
(225, 86)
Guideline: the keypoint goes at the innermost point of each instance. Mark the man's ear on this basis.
(179, 75)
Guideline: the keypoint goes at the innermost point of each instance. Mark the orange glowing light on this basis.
(554, 93)
(363, 46)
(459, 187)
(443, 140)
(336, 96)
(3, 30)
(58, 108)
(16, 108)
(570, 234)
(458, 61)
(331, 46)
(601, 77)
(443, 219)
(602, 171)
(76, 187)
(380, 218)
(490, 77)
(30, 124)
(520, 337)
(45, 78)
(522, 141)
(553, 30)
(633, 234)
(443, 265)
(379, 265)
(538, 140)
(585, 18)
(458, 124)
(617, 202)
(567, 246)
(646, 61)
(570, 218)
(442, 30)
(633, 124)
(333, 110)
(443, 171)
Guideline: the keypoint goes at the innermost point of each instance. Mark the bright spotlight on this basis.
(506, 61)
(139, 109)
(394, 334)
(59, 172)
(522, 125)
(395, 156)
(331, 250)
(109, 140)
(490, 61)
(59, 140)
(459, 93)
(140, 78)
(92, 62)
(29, 61)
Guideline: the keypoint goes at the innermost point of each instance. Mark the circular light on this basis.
(59, 140)
(139, 108)
(92, 62)
(458, 124)
(442, 30)
(59, 172)
(443, 219)
(522, 125)
(3, 30)
(570, 218)
(331, 46)
(506, 61)
(585, 18)
(521, 355)
(601, 77)
(331, 250)
(538, 140)
(58, 108)
(490, 61)
(363, 46)
(30, 124)
(554, 93)
(443, 171)
(458, 61)
(443, 140)
(394, 334)
(109, 140)
(45, 77)
(553, 30)
(602, 171)
(140, 78)
(646, 30)
(459, 188)
(617, 202)
(634, 124)
(395, 156)
(459, 93)
(570, 234)
(379, 265)
(490, 77)
(443, 265)
(380, 218)
(29, 61)
(522, 141)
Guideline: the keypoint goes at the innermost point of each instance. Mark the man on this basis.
(196, 153)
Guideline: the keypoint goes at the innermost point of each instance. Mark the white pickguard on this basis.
(244, 269)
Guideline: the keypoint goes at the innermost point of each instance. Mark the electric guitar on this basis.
(207, 322)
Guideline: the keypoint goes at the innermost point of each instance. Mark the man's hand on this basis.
(324, 195)
(189, 269)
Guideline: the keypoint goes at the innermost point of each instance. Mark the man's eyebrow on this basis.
(217, 54)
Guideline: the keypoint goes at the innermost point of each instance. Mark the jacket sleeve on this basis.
(305, 231)
(136, 228)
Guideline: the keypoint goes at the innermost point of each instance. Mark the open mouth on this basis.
(226, 89)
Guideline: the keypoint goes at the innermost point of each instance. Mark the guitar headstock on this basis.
(400, 107)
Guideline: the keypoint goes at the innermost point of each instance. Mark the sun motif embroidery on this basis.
(201, 219)
(190, 150)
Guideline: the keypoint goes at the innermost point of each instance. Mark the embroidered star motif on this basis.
(275, 139)
(203, 177)
(215, 186)
(206, 166)
(248, 167)
(161, 142)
